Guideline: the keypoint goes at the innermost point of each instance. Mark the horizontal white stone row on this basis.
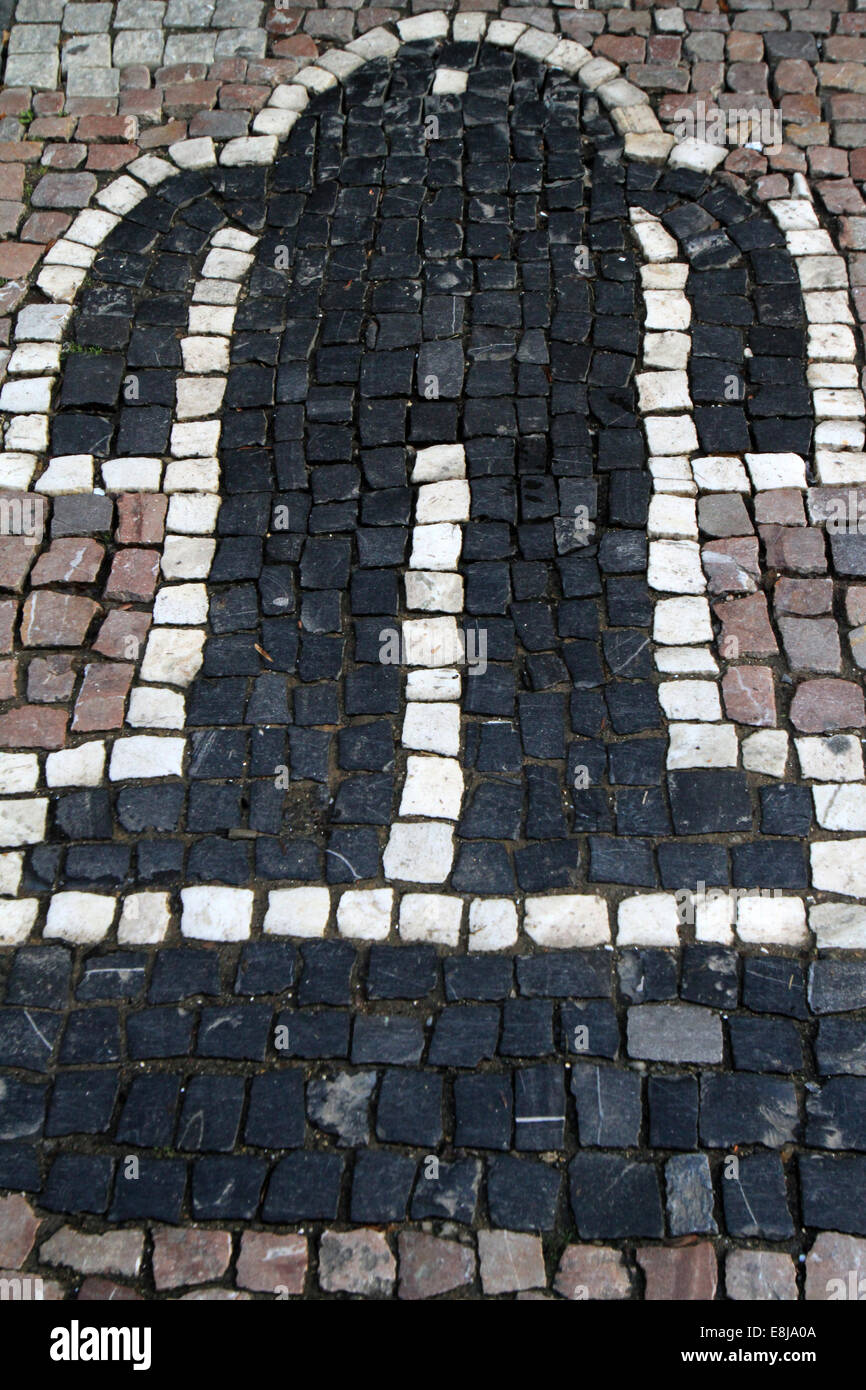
(561, 921)
(433, 785)
(834, 761)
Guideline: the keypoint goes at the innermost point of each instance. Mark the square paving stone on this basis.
(608, 1106)
(447, 1191)
(381, 1186)
(304, 1186)
(747, 1109)
(523, 1194)
(78, 1183)
(227, 1189)
(615, 1197)
(832, 1193)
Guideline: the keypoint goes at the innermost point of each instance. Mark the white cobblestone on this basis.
(434, 917)
(173, 655)
(82, 918)
(181, 604)
(762, 918)
(840, 806)
(191, 475)
(766, 751)
(22, 821)
(193, 513)
(27, 433)
(298, 912)
(436, 547)
(132, 475)
(667, 310)
(364, 914)
(433, 787)
(144, 919)
(151, 707)
(717, 473)
(250, 149)
(376, 43)
(17, 920)
(838, 926)
(11, 868)
(194, 154)
(666, 390)
(187, 557)
(776, 470)
(686, 661)
(666, 350)
(34, 357)
(690, 700)
(432, 726)
(567, 920)
(839, 866)
(569, 56)
(439, 463)
(492, 924)
(672, 473)
(449, 82)
(16, 470)
(679, 621)
(831, 342)
(671, 434)
(835, 759)
(143, 757)
(505, 33)
(648, 919)
(431, 642)
(714, 917)
(702, 745)
(76, 767)
(212, 913)
(433, 25)
(673, 517)
(419, 852)
(43, 323)
(442, 684)
(675, 567)
(19, 772)
(696, 154)
(198, 439)
(432, 591)
(120, 196)
(198, 397)
(445, 501)
(66, 474)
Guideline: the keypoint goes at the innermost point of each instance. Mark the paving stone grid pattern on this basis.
(662, 584)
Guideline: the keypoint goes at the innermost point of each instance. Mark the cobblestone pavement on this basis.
(433, 558)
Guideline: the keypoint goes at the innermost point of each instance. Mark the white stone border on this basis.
(222, 913)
